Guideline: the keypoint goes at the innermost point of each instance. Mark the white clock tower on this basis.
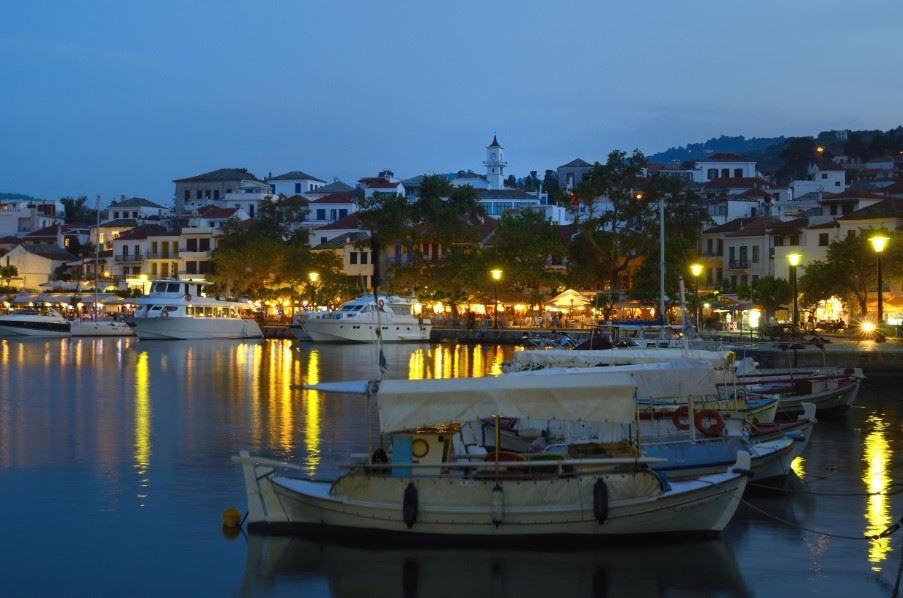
(495, 164)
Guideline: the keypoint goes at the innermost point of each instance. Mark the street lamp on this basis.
(313, 277)
(696, 270)
(496, 274)
(879, 242)
(794, 259)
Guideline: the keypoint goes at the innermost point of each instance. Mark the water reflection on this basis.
(798, 466)
(312, 413)
(876, 455)
(704, 568)
(142, 427)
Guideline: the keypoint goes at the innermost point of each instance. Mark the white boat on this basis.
(178, 310)
(359, 320)
(421, 489)
(101, 328)
(33, 321)
(830, 389)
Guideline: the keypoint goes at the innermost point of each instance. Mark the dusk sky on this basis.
(121, 97)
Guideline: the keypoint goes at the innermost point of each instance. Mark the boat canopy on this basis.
(534, 359)
(677, 379)
(598, 395)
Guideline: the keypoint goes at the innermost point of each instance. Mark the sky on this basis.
(118, 97)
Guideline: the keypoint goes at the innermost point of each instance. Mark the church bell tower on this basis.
(495, 164)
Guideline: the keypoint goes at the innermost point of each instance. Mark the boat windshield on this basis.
(352, 307)
(166, 287)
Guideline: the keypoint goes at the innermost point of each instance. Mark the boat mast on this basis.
(96, 260)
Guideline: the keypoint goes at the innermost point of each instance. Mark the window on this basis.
(712, 174)
(725, 173)
(191, 267)
(744, 255)
(755, 254)
(322, 240)
(207, 193)
(204, 267)
(297, 187)
(153, 268)
(731, 253)
(352, 257)
(738, 173)
(153, 248)
(364, 257)
(187, 195)
(709, 246)
(251, 213)
(837, 183)
(744, 280)
(734, 281)
(216, 194)
(125, 250)
(721, 247)
(115, 215)
(343, 213)
(794, 240)
(822, 239)
(66, 242)
(778, 241)
(321, 214)
(191, 244)
(203, 244)
(834, 209)
(100, 237)
(198, 194)
(824, 175)
(333, 214)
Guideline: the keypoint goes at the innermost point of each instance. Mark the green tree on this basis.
(769, 292)
(797, 155)
(523, 244)
(75, 210)
(7, 273)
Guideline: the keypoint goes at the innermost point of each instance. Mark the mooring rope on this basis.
(886, 533)
(886, 491)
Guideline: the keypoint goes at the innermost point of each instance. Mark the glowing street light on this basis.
(794, 259)
(496, 274)
(696, 271)
(879, 243)
(313, 277)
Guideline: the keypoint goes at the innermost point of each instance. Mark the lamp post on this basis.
(313, 277)
(794, 259)
(496, 274)
(879, 242)
(696, 270)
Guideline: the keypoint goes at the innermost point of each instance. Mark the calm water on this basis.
(114, 470)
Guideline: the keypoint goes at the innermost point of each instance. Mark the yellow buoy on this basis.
(231, 518)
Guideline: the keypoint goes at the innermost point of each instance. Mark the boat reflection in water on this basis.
(282, 562)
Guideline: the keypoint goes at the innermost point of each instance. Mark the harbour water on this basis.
(114, 470)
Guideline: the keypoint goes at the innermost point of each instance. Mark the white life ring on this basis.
(164, 313)
(187, 296)
(381, 303)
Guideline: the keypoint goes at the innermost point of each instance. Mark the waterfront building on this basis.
(296, 182)
(36, 264)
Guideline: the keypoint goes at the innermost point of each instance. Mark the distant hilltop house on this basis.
(295, 182)
(19, 216)
(137, 208)
(226, 187)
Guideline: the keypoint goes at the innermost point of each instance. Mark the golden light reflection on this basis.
(498, 357)
(798, 466)
(415, 365)
(312, 413)
(286, 401)
(142, 426)
(478, 366)
(877, 456)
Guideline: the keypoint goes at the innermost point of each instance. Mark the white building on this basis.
(35, 263)
(20, 216)
(495, 164)
(723, 166)
(824, 177)
(295, 182)
(137, 208)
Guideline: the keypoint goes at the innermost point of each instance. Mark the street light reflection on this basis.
(877, 457)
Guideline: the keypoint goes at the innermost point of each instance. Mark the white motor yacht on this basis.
(358, 321)
(178, 310)
(33, 321)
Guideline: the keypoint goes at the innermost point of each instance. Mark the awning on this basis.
(596, 396)
(569, 298)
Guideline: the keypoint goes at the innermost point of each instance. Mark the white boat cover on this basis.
(678, 379)
(538, 359)
(597, 395)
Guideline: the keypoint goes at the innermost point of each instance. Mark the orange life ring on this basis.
(420, 448)
(677, 418)
(715, 428)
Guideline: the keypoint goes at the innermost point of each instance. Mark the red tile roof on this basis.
(349, 222)
(738, 183)
(214, 211)
(849, 195)
(334, 198)
(758, 226)
(826, 166)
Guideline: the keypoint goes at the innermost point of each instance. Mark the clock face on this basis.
(492, 155)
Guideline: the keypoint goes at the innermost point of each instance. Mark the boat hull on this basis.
(325, 330)
(33, 328)
(770, 458)
(101, 328)
(196, 328)
(462, 507)
(830, 401)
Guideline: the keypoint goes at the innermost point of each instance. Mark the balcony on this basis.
(168, 255)
(127, 258)
(738, 264)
